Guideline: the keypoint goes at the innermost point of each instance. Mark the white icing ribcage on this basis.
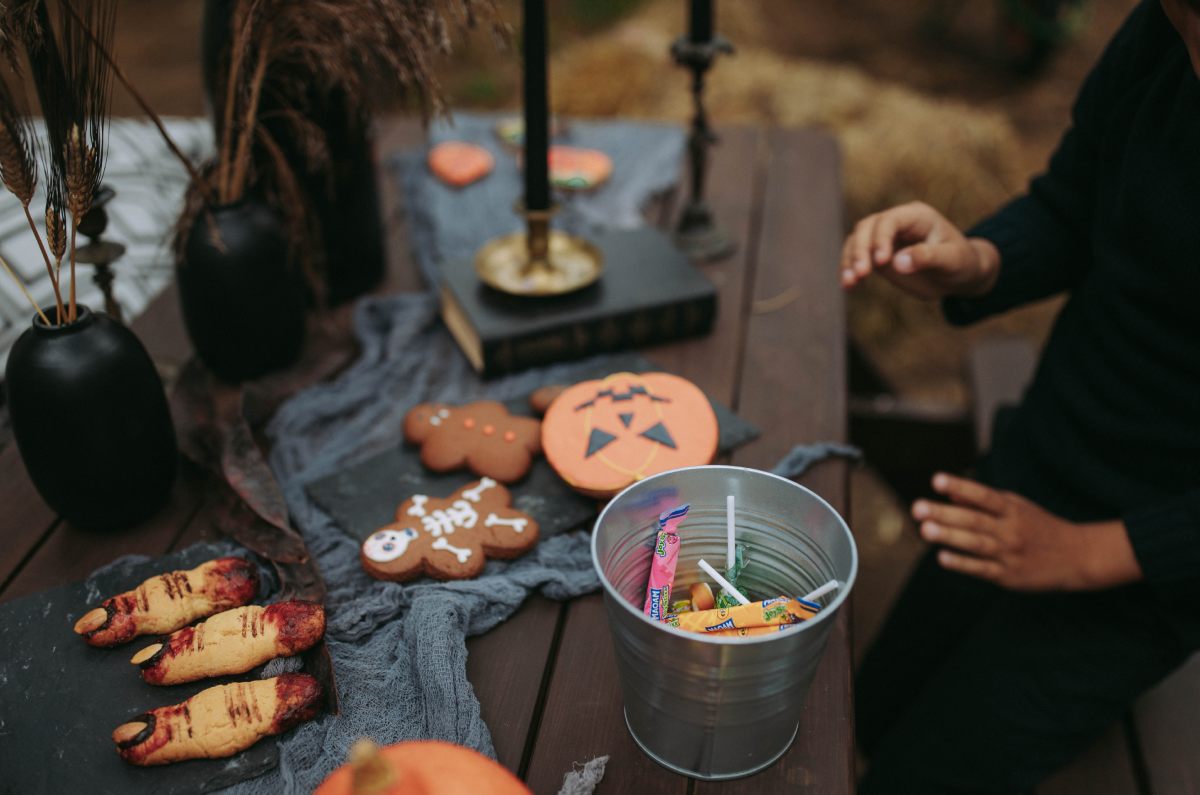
(418, 506)
(474, 494)
(516, 523)
(458, 552)
(444, 522)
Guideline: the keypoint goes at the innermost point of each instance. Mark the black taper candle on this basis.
(700, 24)
(537, 117)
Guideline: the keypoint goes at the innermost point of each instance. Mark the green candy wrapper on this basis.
(724, 600)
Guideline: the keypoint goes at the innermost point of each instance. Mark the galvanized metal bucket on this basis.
(719, 707)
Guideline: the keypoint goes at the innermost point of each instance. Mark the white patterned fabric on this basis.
(149, 182)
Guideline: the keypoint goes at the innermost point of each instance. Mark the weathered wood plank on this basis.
(506, 667)
(583, 716)
(793, 384)
(25, 519)
(1168, 722)
(70, 554)
(712, 362)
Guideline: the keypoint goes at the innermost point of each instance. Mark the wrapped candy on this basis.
(662, 563)
(767, 613)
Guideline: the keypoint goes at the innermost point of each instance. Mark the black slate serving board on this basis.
(363, 497)
(60, 699)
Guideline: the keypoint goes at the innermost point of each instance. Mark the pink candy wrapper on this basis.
(662, 564)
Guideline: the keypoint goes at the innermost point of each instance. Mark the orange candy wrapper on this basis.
(769, 614)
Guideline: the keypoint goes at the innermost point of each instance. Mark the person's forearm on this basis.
(1107, 558)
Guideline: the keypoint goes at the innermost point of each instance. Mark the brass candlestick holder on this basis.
(101, 254)
(539, 261)
(697, 234)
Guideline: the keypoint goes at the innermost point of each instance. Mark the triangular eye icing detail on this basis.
(659, 433)
(597, 441)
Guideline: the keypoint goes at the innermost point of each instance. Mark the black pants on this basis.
(970, 688)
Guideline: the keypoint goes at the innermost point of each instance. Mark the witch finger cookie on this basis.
(449, 538)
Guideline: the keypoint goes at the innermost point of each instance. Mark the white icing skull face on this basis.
(387, 545)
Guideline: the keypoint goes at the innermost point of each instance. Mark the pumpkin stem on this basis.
(371, 772)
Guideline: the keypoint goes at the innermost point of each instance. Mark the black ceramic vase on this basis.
(91, 420)
(243, 302)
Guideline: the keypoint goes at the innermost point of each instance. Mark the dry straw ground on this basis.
(897, 144)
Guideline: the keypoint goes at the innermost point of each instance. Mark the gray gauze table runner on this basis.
(451, 223)
(399, 650)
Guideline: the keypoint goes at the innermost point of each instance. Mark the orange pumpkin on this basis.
(425, 767)
(601, 436)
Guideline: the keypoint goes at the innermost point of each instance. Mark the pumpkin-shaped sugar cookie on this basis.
(601, 436)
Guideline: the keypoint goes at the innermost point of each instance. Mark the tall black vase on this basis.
(345, 202)
(243, 301)
(91, 420)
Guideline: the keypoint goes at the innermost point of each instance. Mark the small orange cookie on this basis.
(482, 437)
(449, 538)
(459, 164)
(572, 168)
(601, 436)
(541, 399)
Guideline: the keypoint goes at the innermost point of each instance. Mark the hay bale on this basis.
(897, 145)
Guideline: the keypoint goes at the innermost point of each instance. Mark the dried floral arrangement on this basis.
(285, 57)
(69, 62)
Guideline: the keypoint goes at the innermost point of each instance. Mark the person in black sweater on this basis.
(1066, 581)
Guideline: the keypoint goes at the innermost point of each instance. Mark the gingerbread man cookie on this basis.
(482, 437)
(449, 538)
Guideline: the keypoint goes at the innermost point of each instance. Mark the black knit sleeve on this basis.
(1166, 541)
(1043, 236)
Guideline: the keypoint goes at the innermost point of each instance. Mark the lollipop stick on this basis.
(730, 552)
(724, 583)
(832, 585)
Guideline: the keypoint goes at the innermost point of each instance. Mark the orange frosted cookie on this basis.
(601, 436)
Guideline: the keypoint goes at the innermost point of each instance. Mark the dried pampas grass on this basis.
(284, 63)
(298, 53)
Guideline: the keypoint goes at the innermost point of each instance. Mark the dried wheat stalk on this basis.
(19, 168)
(106, 53)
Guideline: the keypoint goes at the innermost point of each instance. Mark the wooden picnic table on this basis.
(546, 678)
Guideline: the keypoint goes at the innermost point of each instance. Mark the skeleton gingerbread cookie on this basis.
(449, 538)
(481, 436)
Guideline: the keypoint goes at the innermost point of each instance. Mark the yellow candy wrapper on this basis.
(767, 613)
(750, 632)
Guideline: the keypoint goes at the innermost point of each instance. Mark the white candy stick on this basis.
(724, 583)
(730, 552)
(832, 585)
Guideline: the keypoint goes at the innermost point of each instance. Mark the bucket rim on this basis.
(843, 592)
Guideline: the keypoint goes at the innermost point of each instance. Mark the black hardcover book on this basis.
(649, 293)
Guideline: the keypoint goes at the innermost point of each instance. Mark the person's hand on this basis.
(1005, 538)
(914, 246)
